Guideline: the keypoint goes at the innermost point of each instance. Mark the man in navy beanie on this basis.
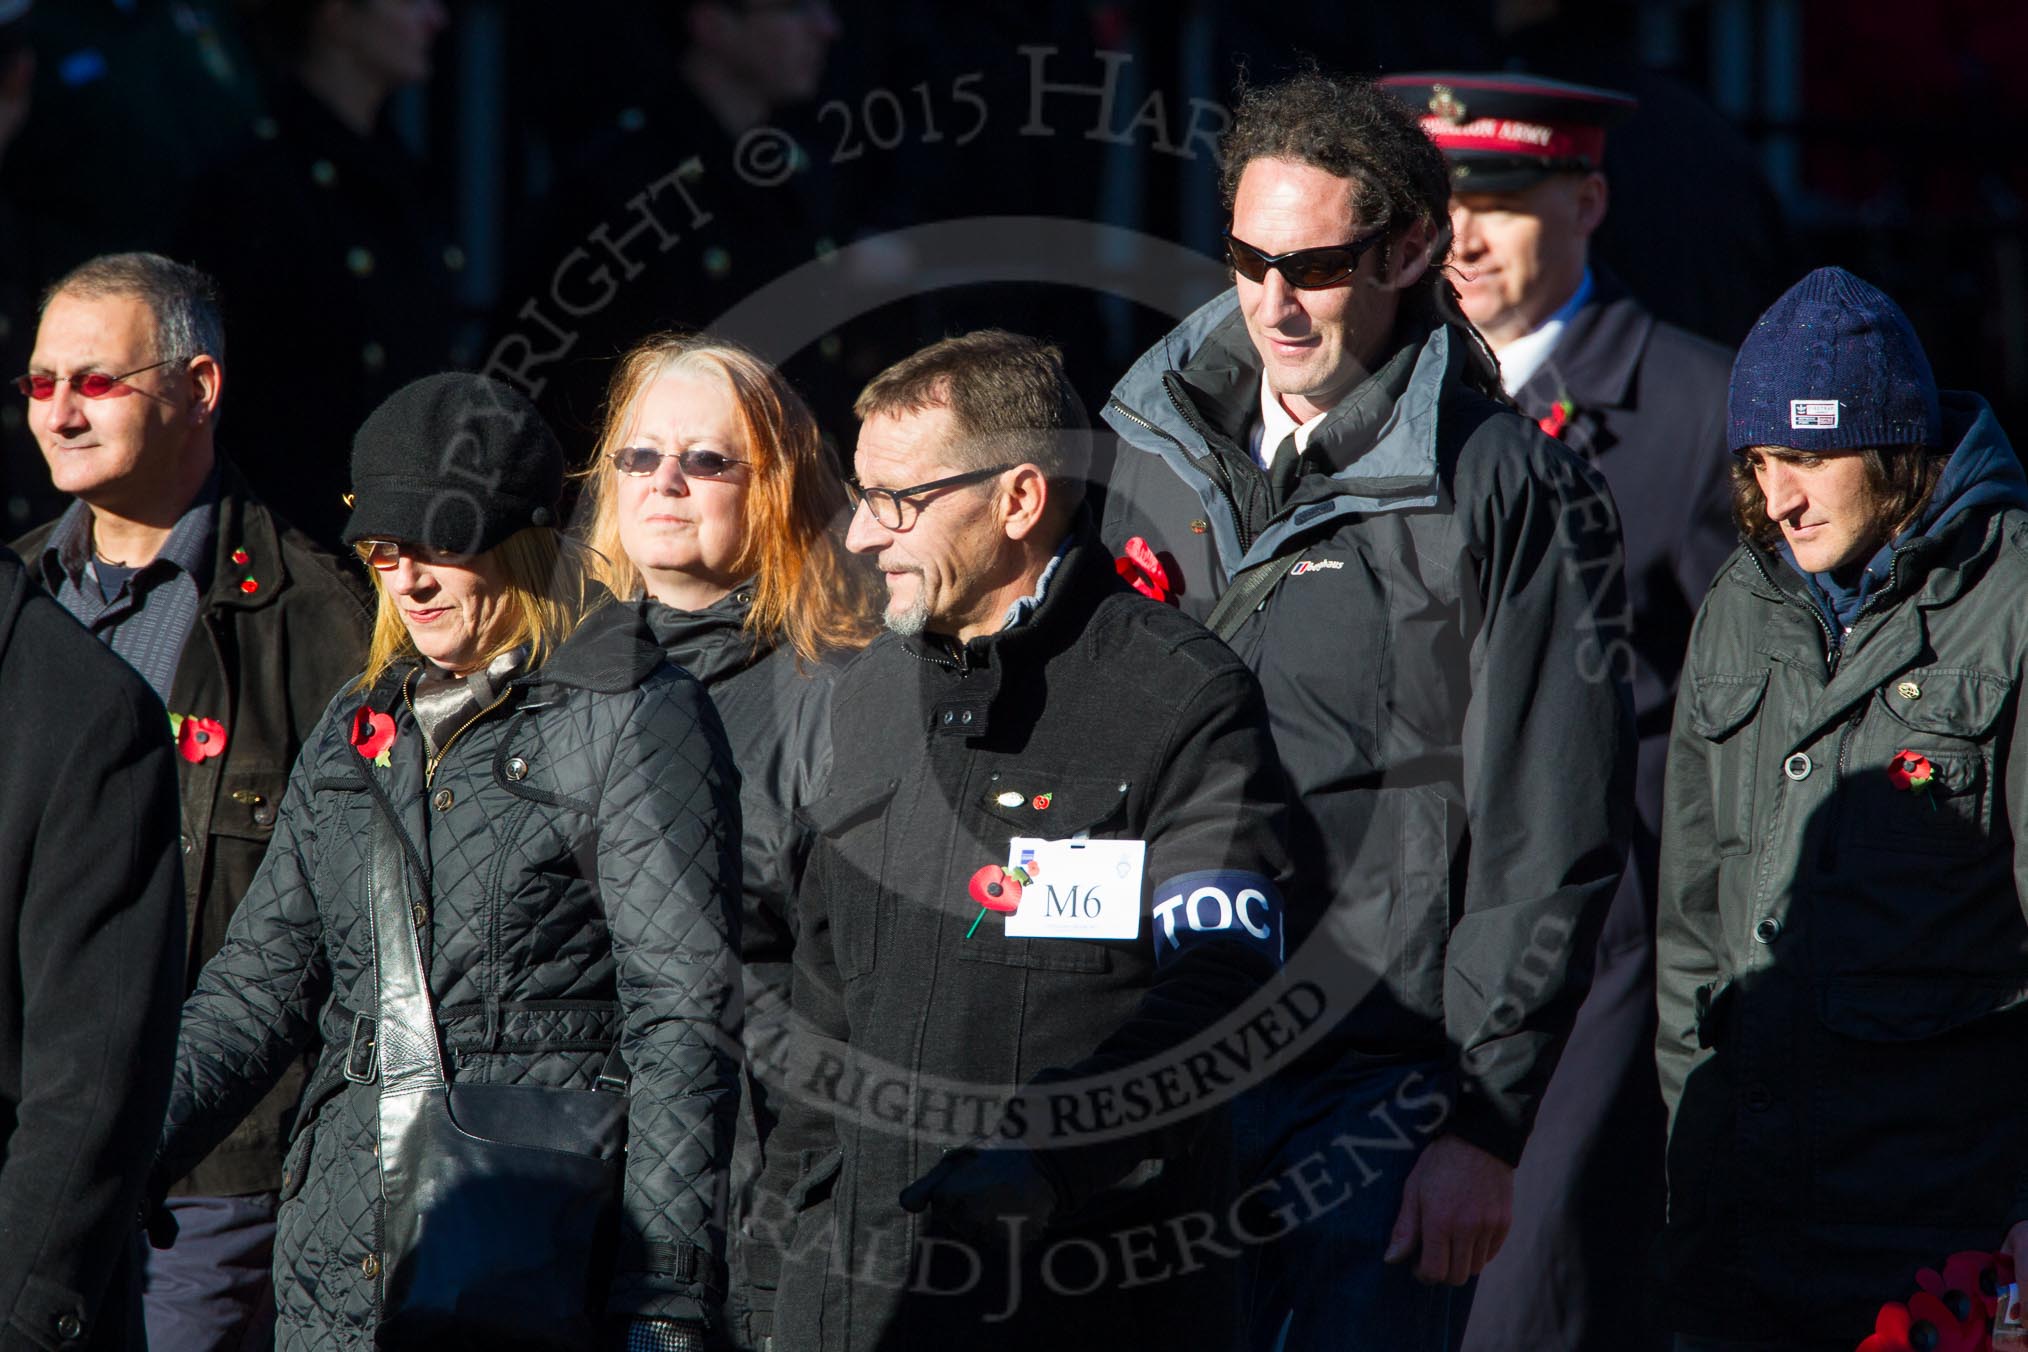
(1841, 944)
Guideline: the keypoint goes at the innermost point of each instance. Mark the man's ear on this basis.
(1408, 257)
(207, 380)
(1024, 499)
(1592, 198)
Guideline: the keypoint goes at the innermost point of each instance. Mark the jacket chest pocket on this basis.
(1721, 709)
(1012, 802)
(851, 853)
(1930, 791)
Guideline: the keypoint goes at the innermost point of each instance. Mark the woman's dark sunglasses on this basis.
(1304, 269)
(641, 461)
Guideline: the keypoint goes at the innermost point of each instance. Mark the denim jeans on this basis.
(1343, 1143)
(213, 1290)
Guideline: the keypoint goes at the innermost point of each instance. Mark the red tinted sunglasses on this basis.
(90, 384)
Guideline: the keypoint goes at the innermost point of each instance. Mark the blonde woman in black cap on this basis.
(504, 892)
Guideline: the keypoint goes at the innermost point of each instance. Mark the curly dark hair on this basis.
(1352, 128)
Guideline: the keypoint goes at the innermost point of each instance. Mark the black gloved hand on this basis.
(665, 1335)
(991, 1192)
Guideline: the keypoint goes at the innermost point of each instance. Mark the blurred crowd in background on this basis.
(393, 187)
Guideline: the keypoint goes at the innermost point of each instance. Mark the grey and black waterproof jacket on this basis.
(1445, 674)
(579, 846)
(1842, 951)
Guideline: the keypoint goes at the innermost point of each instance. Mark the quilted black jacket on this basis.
(581, 844)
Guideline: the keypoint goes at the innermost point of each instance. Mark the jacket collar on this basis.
(611, 651)
(1082, 576)
(1379, 445)
(247, 572)
(712, 643)
(189, 548)
(1594, 362)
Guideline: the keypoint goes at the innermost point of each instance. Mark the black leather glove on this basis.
(995, 1192)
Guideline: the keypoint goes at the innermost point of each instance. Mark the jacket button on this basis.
(1758, 1099)
(1797, 766)
(444, 799)
(965, 717)
(517, 768)
(1908, 690)
(1768, 930)
(949, 717)
(369, 1266)
(422, 916)
(186, 844)
(264, 814)
(69, 1327)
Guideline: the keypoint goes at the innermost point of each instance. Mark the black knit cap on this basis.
(457, 462)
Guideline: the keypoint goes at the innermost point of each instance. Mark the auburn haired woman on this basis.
(715, 507)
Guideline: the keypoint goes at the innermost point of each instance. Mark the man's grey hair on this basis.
(183, 300)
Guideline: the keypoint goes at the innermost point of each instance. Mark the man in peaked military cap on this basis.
(1645, 403)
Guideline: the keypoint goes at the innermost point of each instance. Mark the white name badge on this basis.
(1082, 889)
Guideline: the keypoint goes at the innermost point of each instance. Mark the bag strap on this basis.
(1247, 592)
(405, 1032)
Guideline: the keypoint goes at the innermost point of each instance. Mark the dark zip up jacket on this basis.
(1843, 953)
(91, 957)
(919, 1018)
(1445, 671)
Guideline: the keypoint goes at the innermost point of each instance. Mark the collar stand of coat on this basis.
(1075, 581)
(711, 643)
(610, 652)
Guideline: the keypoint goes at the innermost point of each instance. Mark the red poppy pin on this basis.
(1911, 773)
(373, 735)
(1923, 1325)
(1142, 571)
(197, 739)
(999, 889)
(1950, 1313)
(1553, 422)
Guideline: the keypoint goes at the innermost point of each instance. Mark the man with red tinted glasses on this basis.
(244, 631)
(1322, 464)
(1644, 402)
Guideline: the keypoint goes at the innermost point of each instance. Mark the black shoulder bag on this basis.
(500, 1201)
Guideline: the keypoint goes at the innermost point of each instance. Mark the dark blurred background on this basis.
(389, 187)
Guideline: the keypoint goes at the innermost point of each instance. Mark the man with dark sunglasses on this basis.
(1644, 402)
(1321, 462)
(240, 626)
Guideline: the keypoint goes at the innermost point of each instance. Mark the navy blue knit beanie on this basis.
(1833, 365)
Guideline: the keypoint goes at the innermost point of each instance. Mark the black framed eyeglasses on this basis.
(696, 463)
(890, 506)
(1304, 269)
